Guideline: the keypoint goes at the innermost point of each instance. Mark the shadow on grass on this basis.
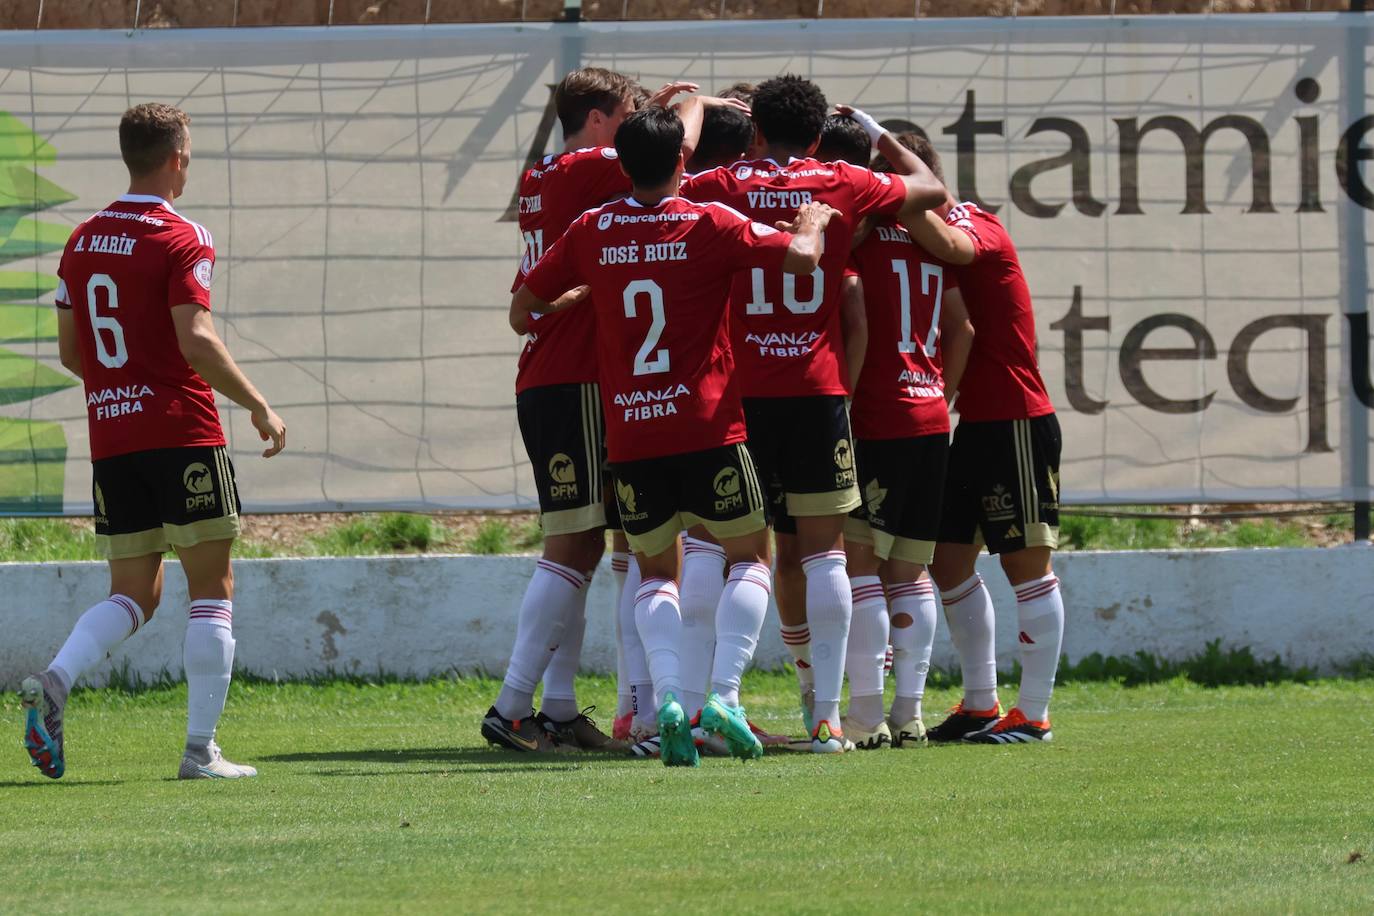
(43, 783)
(465, 757)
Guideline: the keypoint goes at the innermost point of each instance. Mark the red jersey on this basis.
(561, 348)
(122, 272)
(1002, 380)
(660, 287)
(786, 330)
(901, 390)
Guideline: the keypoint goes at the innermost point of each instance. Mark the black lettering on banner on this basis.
(1359, 358)
(1078, 157)
(1349, 155)
(1238, 371)
(1194, 145)
(1309, 90)
(1073, 325)
(1133, 353)
(966, 131)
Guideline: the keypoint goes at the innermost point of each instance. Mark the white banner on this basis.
(1190, 196)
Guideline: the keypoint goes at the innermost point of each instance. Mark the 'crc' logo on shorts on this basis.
(564, 475)
(726, 486)
(998, 505)
(199, 483)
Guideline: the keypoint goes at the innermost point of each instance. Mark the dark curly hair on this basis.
(789, 110)
(843, 140)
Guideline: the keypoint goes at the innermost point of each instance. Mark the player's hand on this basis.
(269, 426)
(866, 121)
(570, 298)
(848, 111)
(713, 101)
(662, 97)
(814, 215)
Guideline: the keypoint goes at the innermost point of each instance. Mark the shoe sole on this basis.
(675, 744)
(740, 739)
(933, 738)
(37, 741)
(1013, 738)
(832, 746)
(905, 738)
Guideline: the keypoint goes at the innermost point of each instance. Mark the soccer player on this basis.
(659, 270)
(133, 322)
(561, 422)
(918, 339)
(787, 343)
(1003, 485)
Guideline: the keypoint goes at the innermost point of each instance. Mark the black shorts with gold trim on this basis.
(903, 483)
(1003, 484)
(148, 502)
(804, 455)
(565, 437)
(661, 497)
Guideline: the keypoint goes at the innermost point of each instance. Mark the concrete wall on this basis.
(427, 615)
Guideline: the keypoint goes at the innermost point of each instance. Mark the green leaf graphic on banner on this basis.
(33, 458)
(19, 322)
(32, 453)
(23, 379)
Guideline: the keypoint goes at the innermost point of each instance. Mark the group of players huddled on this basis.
(713, 290)
(739, 319)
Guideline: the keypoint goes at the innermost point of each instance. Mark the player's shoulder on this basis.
(186, 231)
(969, 212)
(591, 155)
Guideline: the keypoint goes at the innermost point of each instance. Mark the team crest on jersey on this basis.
(603, 222)
(199, 483)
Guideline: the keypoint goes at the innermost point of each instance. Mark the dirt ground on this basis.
(106, 14)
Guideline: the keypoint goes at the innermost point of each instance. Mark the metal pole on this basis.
(1355, 253)
(572, 11)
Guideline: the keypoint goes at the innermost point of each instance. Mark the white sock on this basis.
(739, 620)
(97, 633)
(659, 620)
(549, 603)
(867, 650)
(797, 639)
(208, 656)
(559, 701)
(620, 566)
(703, 582)
(829, 607)
(1040, 612)
(912, 611)
(641, 685)
(968, 611)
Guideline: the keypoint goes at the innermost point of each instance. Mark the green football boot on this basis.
(676, 746)
(730, 723)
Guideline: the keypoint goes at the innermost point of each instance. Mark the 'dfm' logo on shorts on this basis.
(844, 460)
(200, 485)
(564, 475)
(726, 486)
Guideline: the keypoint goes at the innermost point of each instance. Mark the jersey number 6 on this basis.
(118, 356)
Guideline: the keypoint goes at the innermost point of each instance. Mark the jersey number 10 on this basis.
(116, 356)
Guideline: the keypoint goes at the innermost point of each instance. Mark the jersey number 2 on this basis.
(644, 365)
(117, 355)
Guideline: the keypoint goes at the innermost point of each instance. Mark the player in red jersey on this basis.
(562, 424)
(133, 322)
(787, 341)
(1003, 486)
(918, 337)
(659, 270)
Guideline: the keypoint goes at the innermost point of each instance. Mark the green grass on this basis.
(1085, 532)
(36, 540)
(1171, 797)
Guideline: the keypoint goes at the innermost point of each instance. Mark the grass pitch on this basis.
(382, 798)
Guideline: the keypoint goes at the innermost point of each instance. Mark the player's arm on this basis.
(923, 190)
(807, 245)
(68, 346)
(205, 352)
(956, 339)
(692, 113)
(525, 303)
(942, 240)
(853, 326)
